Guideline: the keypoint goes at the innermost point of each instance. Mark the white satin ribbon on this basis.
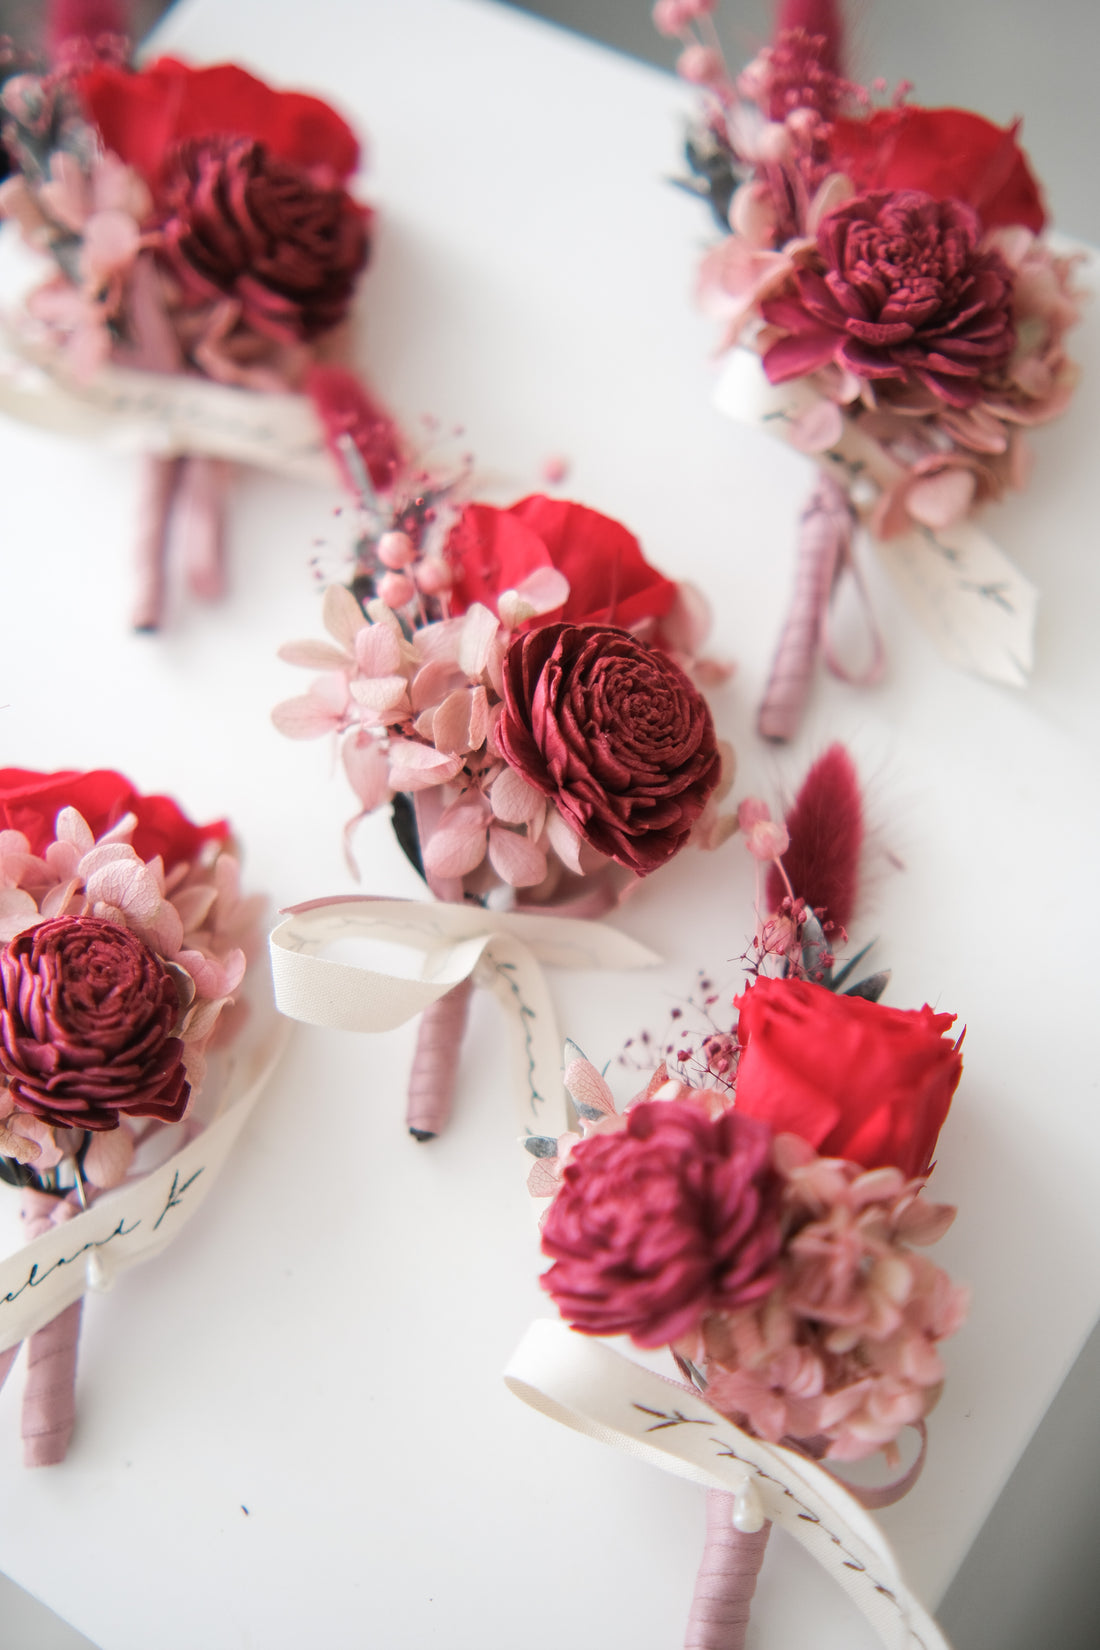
(585, 1385)
(977, 607)
(501, 950)
(166, 414)
(135, 1222)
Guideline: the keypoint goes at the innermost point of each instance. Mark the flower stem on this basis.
(726, 1580)
(435, 1063)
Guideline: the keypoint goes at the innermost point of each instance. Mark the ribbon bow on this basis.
(501, 950)
(587, 1386)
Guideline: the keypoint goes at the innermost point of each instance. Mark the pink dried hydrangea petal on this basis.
(108, 1157)
(367, 767)
(457, 845)
(588, 1087)
(314, 655)
(342, 616)
(517, 860)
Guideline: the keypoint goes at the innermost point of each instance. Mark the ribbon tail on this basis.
(435, 1063)
(824, 540)
(726, 1579)
(49, 1396)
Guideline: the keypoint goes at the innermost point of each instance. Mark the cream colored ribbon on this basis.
(135, 1222)
(166, 414)
(500, 950)
(976, 606)
(585, 1385)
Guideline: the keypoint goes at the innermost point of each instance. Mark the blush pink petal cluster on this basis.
(104, 209)
(116, 918)
(844, 1352)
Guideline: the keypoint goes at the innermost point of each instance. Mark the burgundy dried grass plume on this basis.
(826, 829)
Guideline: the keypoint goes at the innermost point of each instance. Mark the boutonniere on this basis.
(204, 247)
(124, 943)
(890, 306)
(760, 1209)
(520, 688)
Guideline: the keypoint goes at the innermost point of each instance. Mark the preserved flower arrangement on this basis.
(124, 940)
(516, 685)
(760, 1206)
(892, 309)
(200, 226)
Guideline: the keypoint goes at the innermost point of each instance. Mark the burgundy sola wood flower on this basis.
(663, 1221)
(241, 223)
(902, 293)
(615, 733)
(87, 1013)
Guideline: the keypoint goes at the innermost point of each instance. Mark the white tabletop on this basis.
(323, 1346)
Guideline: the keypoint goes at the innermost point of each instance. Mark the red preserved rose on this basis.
(656, 1224)
(87, 1015)
(950, 153)
(610, 582)
(855, 1079)
(30, 802)
(142, 117)
(615, 733)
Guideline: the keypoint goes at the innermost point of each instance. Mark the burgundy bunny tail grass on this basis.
(435, 1063)
(826, 832)
(726, 1580)
(49, 1398)
(73, 26)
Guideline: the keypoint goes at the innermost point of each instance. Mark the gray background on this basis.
(1030, 1580)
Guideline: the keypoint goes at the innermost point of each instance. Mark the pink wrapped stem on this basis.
(726, 1580)
(160, 478)
(824, 547)
(49, 1403)
(435, 1063)
(201, 513)
(49, 1396)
